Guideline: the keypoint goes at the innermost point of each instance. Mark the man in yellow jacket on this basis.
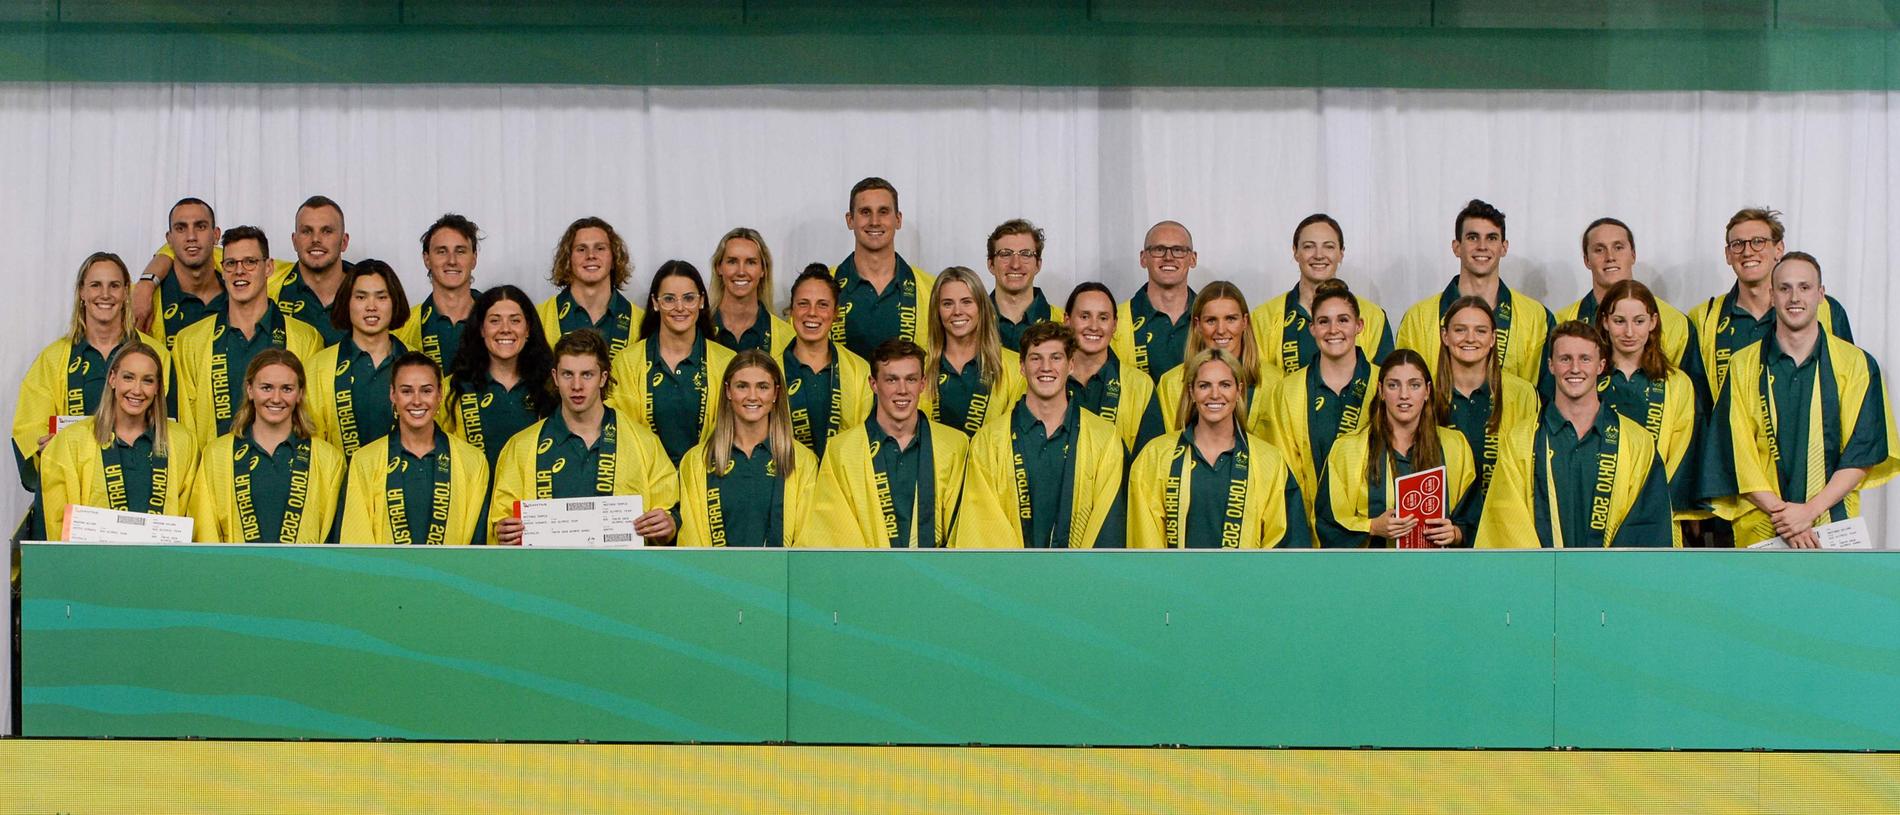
(1049, 477)
(1522, 323)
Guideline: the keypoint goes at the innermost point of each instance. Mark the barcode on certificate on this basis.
(616, 537)
(129, 520)
(577, 506)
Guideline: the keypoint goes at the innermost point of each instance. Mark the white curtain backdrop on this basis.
(93, 167)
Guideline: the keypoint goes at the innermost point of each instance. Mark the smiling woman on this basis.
(269, 480)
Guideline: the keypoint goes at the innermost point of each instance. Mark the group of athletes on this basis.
(307, 401)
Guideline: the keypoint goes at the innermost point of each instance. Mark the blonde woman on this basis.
(970, 378)
(750, 484)
(269, 480)
(742, 313)
(128, 456)
(1218, 319)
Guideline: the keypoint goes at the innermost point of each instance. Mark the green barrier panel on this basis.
(1440, 649)
(374, 642)
(1728, 650)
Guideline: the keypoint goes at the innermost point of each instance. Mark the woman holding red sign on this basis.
(1357, 502)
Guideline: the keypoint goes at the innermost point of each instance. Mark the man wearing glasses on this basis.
(210, 356)
(1730, 322)
(1015, 257)
(1151, 328)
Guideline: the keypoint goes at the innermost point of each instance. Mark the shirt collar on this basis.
(1038, 308)
(1554, 421)
(557, 423)
(875, 429)
(1187, 438)
(1451, 295)
(1022, 421)
(441, 445)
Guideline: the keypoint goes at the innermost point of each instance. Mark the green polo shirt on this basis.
(1102, 392)
(502, 413)
(298, 300)
(1691, 362)
(182, 309)
(270, 486)
(955, 391)
(239, 350)
(1164, 339)
(1298, 327)
(1207, 492)
(678, 397)
(616, 325)
(441, 336)
(580, 460)
(415, 477)
(1047, 469)
(751, 498)
(1574, 466)
(900, 466)
(1791, 385)
(135, 462)
(870, 316)
(89, 375)
(808, 397)
(1323, 427)
(367, 383)
(1012, 332)
(758, 335)
(1469, 414)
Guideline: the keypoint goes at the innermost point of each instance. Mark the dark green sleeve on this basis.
(1868, 446)
(336, 517)
(1385, 341)
(1326, 528)
(1647, 523)
(1465, 516)
(1299, 535)
(1151, 427)
(1698, 373)
(1715, 468)
(1842, 328)
(1114, 534)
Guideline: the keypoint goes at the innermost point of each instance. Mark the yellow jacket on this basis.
(191, 366)
(320, 374)
(1259, 403)
(1675, 328)
(366, 502)
(1523, 344)
(696, 509)
(991, 512)
(1349, 490)
(550, 312)
(633, 398)
(1263, 523)
(1008, 387)
(1269, 324)
(43, 393)
(1509, 506)
(915, 332)
(854, 388)
(214, 497)
(844, 512)
(1289, 430)
(640, 468)
(74, 473)
(1709, 316)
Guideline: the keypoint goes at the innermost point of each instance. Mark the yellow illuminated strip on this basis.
(101, 777)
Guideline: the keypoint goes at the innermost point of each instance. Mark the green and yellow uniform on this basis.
(293, 295)
(1283, 329)
(1470, 414)
(822, 403)
(1678, 338)
(1522, 325)
(1305, 417)
(768, 333)
(117, 475)
(398, 497)
(1146, 339)
(173, 309)
(561, 316)
(1125, 396)
(677, 404)
(486, 414)
(1259, 398)
(66, 379)
(1723, 328)
(1786, 428)
(874, 493)
(1350, 496)
(1028, 487)
(1667, 409)
(751, 504)
(1244, 499)
(1555, 489)
(548, 460)
(209, 359)
(964, 402)
(1039, 311)
(867, 316)
(245, 494)
(348, 394)
(433, 333)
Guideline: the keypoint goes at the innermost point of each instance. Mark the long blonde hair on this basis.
(246, 414)
(1187, 412)
(78, 331)
(989, 346)
(763, 287)
(106, 418)
(778, 425)
(1249, 374)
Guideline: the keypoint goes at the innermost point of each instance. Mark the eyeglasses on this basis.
(1005, 254)
(1169, 251)
(247, 264)
(688, 300)
(1757, 244)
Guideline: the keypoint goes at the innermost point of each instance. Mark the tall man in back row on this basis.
(449, 249)
(1609, 253)
(1725, 324)
(1015, 257)
(1479, 243)
(1151, 328)
(881, 297)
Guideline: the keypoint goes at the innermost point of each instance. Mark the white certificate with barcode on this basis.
(94, 525)
(604, 521)
(1848, 534)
